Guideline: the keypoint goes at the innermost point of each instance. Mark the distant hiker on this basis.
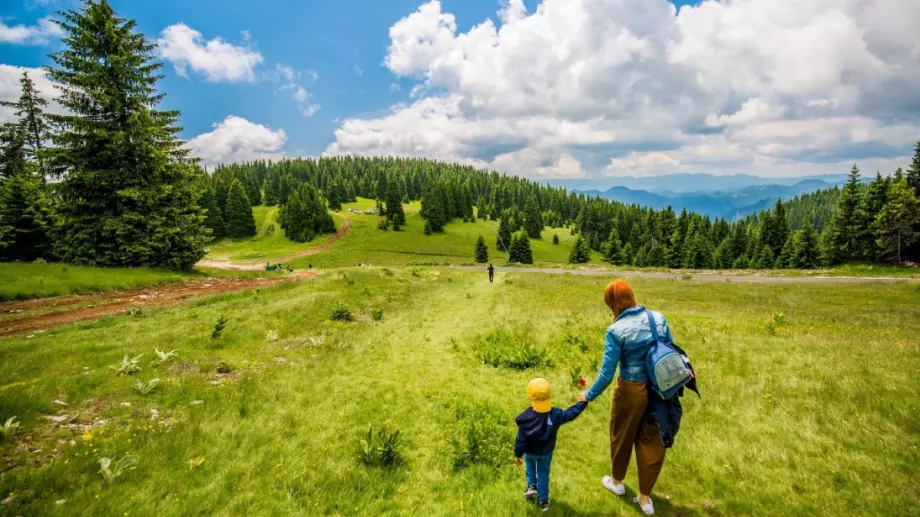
(536, 437)
(491, 273)
(636, 419)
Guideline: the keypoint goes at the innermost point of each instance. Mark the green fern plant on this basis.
(10, 428)
(146, 388)
(219, 326)
(164, 357)
(128, 366)
(112, 469)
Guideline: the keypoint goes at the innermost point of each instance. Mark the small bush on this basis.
(224, 367)
(377, 314)
(242, 405)
(386, 272)
(383, 224)
(271, 336)
(416, 272)
(9, 429)
(128, 366)
(146, 388)
(686, 276)
(136, 312)
(348, 280)
(164, 357)
(500, 348)
(380, 449)
(219, 327)
(482, 436)
(341, 313)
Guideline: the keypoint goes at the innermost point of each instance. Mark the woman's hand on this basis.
(582, 397)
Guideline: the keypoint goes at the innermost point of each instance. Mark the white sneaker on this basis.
(616, 488)
(647, 509)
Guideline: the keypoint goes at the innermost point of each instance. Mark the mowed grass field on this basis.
(366, 244)
(809, 405)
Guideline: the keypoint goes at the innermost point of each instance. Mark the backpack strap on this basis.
(652, 325)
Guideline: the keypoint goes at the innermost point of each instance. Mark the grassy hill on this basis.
(366, 244)
(808, 407)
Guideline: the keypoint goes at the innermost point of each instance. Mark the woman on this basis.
(627, 343)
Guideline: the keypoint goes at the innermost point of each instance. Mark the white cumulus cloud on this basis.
(601, 87)
(29, 34)
(11, 89)
(216, 59)
(236, 139)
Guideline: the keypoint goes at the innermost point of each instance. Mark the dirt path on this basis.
(72, 309)
(702, 277)
(259, 266)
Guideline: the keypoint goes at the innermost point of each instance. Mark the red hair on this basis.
(619, 297)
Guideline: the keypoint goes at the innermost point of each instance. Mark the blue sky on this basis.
(355, 83)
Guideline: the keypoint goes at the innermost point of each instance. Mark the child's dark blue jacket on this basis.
(537, 431)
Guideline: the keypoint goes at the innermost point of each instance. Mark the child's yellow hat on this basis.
(538, 393)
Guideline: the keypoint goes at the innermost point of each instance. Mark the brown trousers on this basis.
(628, 430)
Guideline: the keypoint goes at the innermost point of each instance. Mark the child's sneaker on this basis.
(544, 506)
(531, 491)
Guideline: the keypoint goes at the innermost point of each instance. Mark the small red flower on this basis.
(581, 382)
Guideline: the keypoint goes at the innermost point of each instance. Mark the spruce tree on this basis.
(503, 240)
(898, 222)
(13, 162)
(482, 252)
(555, 239)
(533, 220)
(765, 258)
(434, 209)
(427, 230)
(805, 251)
(25, 220)
(213, 218)
(238, 216)
(33, 122)
(394, 206)
(129, 195)
(845, 237)
(580, 253)
(628, 257)
(524, 253)
(913, 172)
(785, 258)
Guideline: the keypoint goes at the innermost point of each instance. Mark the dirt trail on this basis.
(115, 302)
(701, 277)
(259, 266)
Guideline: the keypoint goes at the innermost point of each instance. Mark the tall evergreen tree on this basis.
(128, 197)
(25, 220)
(13, 162)
(581, 253)
(613, 249)
(898, 222)
(503, 239)
(520, 249)
(394, 208)
(845, 236)
(33, 122)
(238, 215)
(913, 172)
(765, 258)
(786, 256)
(805, 250)
(533, 220)
(434, 208)
(482, 252)
(214, 218)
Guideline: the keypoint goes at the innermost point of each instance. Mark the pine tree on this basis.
(129, 195)
(765, 258)
(213, 218)
(721, 256)
(482, 252)
(238, 216)
(33, 122)
(13, 162)
(580, 253)
(805, 251)
(25, 220)
(845, 236)
(613, 249)
(785, 258)
(533, 220)
(555, 239)
(427, 230)
(913, 172)
(434, 208)
(524, 253)
(394, 208)
(628, 257)
(898, 222)
(503, 240)
(335, 197)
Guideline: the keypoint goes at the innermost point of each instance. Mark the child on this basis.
(536, 438)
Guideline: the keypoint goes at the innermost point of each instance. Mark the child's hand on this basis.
(581, 397)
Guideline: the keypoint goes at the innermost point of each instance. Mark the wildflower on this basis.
(87, 436)
(581, 382)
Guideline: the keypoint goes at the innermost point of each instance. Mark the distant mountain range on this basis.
(729, 197)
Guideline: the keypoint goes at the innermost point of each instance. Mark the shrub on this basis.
(271, 336)
(219, 327)
(341, 313)
(146, 388)
(482, 436)
(377, 314)
(128, 366)
(383, 224)
(500, 348)
(137, 312)
(380, 449)
(224, 367)
(555, 238)
(164, 357)
(9, 428)
(112, 469)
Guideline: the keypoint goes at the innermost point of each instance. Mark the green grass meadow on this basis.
(809, 405)
(19, 281)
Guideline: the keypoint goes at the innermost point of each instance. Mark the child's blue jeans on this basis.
(537, 468)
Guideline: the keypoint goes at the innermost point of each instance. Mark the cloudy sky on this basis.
(551, 89)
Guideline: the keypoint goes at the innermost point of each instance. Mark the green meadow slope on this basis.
(809, 400)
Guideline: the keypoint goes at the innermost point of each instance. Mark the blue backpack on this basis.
(667, 366)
